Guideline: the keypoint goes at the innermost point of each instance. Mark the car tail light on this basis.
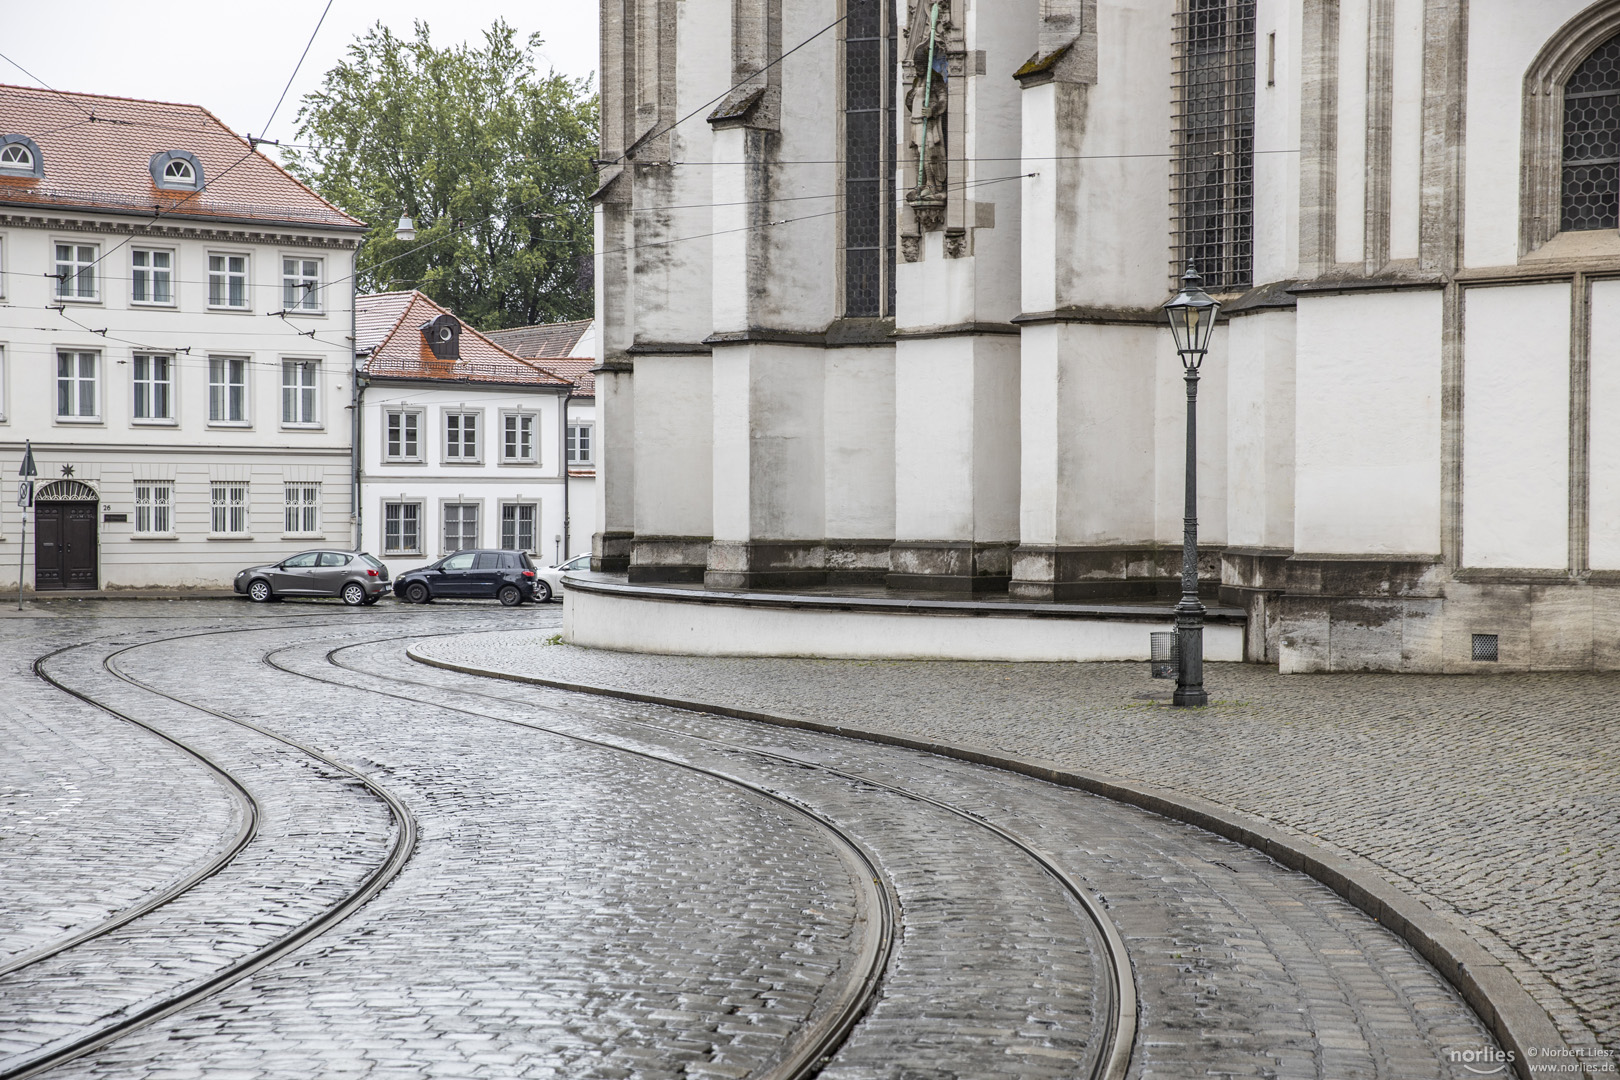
(528, 573)
(371, 573)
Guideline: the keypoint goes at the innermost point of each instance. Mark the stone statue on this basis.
(927, 105)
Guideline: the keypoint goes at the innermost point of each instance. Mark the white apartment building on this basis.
(462, 443)
(568, 349)
(175, 317)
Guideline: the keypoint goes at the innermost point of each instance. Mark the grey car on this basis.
(356, 577)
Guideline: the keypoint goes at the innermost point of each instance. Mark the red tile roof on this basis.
(390, 325)
(576, 370)
(97, 154)
(543, 339)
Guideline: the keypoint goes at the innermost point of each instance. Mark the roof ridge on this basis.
(106, 97)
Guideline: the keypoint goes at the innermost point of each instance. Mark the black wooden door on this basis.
(65, 545)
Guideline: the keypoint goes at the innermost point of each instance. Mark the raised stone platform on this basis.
(606, 611)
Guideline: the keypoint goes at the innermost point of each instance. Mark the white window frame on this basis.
(396, 507)
(77, 380)
(151, 271)
(509, 458)
(219, 392)
(301, 507)
(154, 509)
(534, 526)
(390, 415)
(588, 458)
(302, 292)
(460, 506)
(5, 395)
(301, 417)
(457, 444)
(225, 274)
(69, 288)
(3, 267)
(230, 510)
(141, 390)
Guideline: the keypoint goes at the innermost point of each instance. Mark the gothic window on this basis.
(869, 158)
(1212, 175)
(1591, 178)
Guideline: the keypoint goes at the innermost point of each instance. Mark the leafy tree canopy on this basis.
(490, 158)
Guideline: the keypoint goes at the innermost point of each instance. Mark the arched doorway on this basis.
(65, 536)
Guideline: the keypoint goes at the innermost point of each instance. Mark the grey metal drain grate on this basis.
(1485, 647)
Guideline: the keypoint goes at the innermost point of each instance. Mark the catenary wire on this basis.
(301, 57)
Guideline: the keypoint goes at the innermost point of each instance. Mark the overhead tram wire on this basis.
(301, 57)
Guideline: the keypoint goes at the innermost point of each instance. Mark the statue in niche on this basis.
(927, 105)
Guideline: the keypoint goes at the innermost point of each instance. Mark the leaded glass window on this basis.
(1591, 180)
(869, 158)
(1212, 175)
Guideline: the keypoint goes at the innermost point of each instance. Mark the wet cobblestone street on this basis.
(546, 884)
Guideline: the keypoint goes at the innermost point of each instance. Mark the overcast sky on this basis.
(234, 59)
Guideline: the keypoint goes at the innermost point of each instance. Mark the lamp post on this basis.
(1192, 317)
(25, 498)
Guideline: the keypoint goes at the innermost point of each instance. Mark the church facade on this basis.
(879, 288)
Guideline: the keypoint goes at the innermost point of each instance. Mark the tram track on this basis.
(97, 1035)
(1118, 1030)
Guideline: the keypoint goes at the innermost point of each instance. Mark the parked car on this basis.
(507, 576)
(550, 577)
(354, 576)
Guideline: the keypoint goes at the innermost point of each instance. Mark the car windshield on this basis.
(524, 560)
(578, 562)
(369, 561)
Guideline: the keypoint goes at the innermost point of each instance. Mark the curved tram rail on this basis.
(1118, 1034)
(807, 1052)
(96, 1036)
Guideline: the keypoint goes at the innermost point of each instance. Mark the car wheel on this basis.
(259, 591)
(542, 593)
(354, 594)
(510, 596)
(417, 593)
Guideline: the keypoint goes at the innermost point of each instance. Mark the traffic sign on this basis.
(25, 493)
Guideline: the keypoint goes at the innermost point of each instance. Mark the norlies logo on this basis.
(1485, 1062)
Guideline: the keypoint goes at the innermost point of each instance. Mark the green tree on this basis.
(490, 158)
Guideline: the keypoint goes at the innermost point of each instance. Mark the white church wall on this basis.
(768, 449)
(1351, 188)
(1604, 454)
(1276, 127)
(1406, 130)
(1004, 33)
(859, 434)
(673, 441)
(1502, 40)
(1367, 431)
(1260, 431)
(1088, 460)
(1516, 427)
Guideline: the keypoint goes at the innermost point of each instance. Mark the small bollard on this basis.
(1165, 655)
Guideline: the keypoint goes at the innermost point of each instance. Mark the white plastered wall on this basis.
(1276, 132)
(1516, 427)
(673, 439)
(1260, 431)
(859, 431)
(1170, 431)
(768, 443)
(1367, 429)
(1604, 453)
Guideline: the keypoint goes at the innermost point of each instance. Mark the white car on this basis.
(548, 580)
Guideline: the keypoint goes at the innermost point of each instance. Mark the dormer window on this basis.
(177, 170)
(443, 336)
(19, 156)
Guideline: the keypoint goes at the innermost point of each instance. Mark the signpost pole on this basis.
(25, 498)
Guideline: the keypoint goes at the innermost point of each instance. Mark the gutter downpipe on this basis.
(357, 394)
(562, 431)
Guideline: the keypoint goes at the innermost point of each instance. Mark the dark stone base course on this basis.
(1077, 574)
(950, 566)
(676, 560)
(1517, 1021)
(610, 552)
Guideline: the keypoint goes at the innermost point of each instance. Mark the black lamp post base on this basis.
(1190, 698)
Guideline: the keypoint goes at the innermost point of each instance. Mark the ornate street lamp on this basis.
(1192, 317)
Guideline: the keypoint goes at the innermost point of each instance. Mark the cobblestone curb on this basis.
(1518, 1022)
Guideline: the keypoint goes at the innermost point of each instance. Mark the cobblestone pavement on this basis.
(1496, 799)
(578, 904)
